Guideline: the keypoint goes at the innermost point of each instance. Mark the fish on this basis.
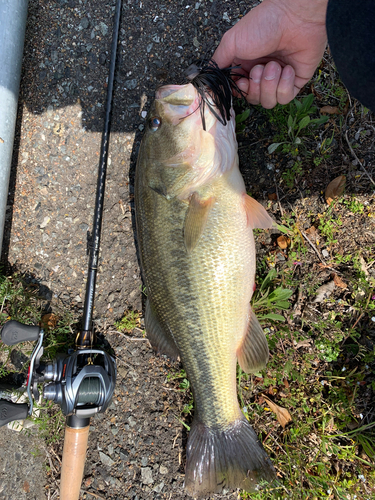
(194, 223)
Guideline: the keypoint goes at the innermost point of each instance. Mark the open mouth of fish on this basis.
(183, 101)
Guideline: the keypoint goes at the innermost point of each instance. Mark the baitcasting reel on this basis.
(82, 382)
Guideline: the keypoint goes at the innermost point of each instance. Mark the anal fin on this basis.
(257, 216)
(253, 352)
(161, 341)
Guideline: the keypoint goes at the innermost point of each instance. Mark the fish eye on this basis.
(154, 123)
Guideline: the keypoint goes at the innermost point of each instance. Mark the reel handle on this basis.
(12, 411)
(14, 332)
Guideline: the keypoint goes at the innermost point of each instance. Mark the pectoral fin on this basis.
(252, 354)
(162, 342)
(257, 216)
(196, 219)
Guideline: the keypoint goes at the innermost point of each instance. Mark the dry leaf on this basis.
(311, 230)
(49, 321)
(272, 196)
(363, 265)
(272, 390)
(282, 415)
(330, 110)
(313, 234)
(303, 343)
(339, 282)
(283, 241)
(324, 291)
(335, 188)
(352, 425)
(330, 425)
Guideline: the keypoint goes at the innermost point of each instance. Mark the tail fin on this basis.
(227, 458)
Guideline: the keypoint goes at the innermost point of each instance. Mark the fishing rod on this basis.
(81, 381)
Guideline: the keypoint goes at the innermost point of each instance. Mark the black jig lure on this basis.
(215, 87)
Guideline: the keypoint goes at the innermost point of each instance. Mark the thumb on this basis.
(225, 53)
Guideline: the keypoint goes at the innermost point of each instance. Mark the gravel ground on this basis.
(136, 450)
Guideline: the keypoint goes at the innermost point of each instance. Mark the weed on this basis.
(328, 225)
(51, 421)
(355, 206)
(269, 299)
(128, 322)
(291, 174)
(291, 121)
(325, 150)
(240, 119)
(20, 301)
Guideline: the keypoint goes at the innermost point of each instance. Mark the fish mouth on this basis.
(177, 95)
(181, 101)
(209, 91)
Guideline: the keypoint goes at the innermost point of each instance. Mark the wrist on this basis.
(306, 11)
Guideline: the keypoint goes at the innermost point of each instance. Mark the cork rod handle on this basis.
(73, 462)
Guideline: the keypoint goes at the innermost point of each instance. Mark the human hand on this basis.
(278, 44)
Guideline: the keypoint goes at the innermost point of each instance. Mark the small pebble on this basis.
(146, 475)
(85, 23)
(131, 84)
(163, 469)
(103, 28)
(105, 459)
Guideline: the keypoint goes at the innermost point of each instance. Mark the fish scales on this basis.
(183, 283)
(198, 298)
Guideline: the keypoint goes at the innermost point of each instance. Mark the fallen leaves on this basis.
(49, 321)
(363, 265)
(303, 343)
(330, 110)
(283, 242)
(313, 234)
(335, 188)
(324, 291)
(272, 196)
(339, 282)
(282, 414)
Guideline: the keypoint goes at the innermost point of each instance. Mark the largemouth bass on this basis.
(194, 225)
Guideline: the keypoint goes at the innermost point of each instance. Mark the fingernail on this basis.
(271, 71)
(287, 73)
(256, 73)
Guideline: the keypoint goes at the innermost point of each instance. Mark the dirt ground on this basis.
(136, 449)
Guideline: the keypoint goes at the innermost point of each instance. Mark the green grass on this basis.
(128, 322)
(294, 122)
(326, 452)
(19, 301)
